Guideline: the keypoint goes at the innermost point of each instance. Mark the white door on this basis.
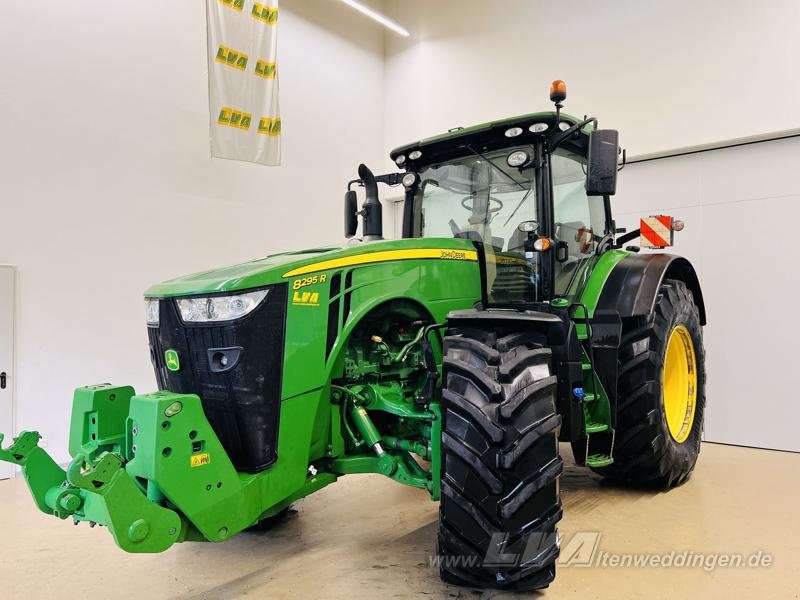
(6, 359)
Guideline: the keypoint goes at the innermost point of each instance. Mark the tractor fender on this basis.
(632, 287)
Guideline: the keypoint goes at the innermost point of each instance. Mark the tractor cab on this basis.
(531, 192)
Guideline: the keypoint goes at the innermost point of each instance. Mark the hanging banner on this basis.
(243, 80)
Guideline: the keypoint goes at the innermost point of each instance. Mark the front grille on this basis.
(242, 403)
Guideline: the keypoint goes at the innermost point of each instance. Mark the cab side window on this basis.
(579, 222)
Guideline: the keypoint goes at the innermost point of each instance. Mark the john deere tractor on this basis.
(507, 318)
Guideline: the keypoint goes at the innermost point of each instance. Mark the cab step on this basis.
(598, 460)
(596, 427)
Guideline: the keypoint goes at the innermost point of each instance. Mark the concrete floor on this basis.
(367, 537)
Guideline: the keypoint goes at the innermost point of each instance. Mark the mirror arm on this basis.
(390, 178)
(557, 139)
(631, 235)
(611, 227)
(624, 160)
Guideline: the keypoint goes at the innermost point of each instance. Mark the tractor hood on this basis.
(276, 268)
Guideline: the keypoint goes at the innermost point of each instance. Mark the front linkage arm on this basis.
(99, 492)
(40, 471)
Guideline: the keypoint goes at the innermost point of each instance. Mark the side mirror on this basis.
(350, 213)
(601, 169)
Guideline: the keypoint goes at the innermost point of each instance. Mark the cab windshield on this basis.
(479, 198)
(482, 198)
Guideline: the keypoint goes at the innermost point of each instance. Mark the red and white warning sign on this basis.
(655, 232)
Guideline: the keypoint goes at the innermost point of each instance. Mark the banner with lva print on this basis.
(243, 80)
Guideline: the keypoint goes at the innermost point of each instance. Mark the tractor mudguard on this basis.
(632, 287)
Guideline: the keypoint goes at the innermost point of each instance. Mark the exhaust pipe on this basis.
(371, 210)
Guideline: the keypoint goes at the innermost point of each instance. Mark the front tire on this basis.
(500, 464)
(661, 392)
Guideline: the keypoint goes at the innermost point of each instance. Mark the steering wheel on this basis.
(492, 209)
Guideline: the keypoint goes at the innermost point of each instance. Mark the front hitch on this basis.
(151, 468)
(98, 491)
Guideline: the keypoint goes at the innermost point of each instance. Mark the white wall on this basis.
(741, 207)
(107, 186)
(667, 74)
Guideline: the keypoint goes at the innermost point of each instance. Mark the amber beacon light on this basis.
(558, 91)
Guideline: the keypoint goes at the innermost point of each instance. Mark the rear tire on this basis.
(647, 451)
(500, 461)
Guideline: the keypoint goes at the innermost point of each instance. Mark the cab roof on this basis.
(486, 136)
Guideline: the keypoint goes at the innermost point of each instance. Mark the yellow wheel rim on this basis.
(679, 385)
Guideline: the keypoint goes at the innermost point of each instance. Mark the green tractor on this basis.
(507, 318)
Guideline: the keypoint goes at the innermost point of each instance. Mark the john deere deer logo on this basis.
(172, 360)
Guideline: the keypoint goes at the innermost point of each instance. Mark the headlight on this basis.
(151, 310)
(219, 308)
(517, 158)
(414, 154)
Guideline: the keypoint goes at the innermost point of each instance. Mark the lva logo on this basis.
(269, 126)
(234, 118)
(265, 69)
(236, 5)
(232, 58)
(264, 13)
(306, 298)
